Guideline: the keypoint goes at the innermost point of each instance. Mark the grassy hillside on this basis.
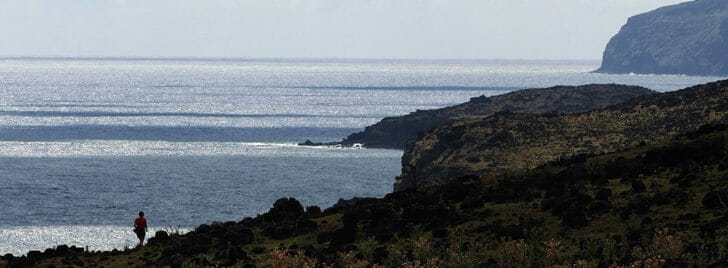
(395, 132)
(659, 204)
(514, 141)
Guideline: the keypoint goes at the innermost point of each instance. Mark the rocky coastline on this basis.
(395, 132)
(511, 142)
(660, 203)
(643, 182)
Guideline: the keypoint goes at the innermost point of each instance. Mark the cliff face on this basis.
(689, 38)
(512, 142)
(395, 132)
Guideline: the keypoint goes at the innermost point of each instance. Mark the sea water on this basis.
(87, 143)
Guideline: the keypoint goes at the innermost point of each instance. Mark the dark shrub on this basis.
(638, 186)
(284, 208)
(603, 194)
(639, 205)
(313, 211)
(716, 199)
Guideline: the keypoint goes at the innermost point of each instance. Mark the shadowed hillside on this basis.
(395, 132)
(661, 204)
(512, 141)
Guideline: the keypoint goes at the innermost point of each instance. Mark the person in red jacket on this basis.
(140, 227)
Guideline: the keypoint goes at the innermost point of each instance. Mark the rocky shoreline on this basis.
(508, 142)
(659, 197)
(396, 132)
(661, 203)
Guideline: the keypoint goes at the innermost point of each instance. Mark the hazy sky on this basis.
(492, 29)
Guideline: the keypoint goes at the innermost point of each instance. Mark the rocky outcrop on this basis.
(689, 38)
(514, 142)
(395, 132)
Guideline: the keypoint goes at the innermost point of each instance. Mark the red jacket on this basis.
(140, 223)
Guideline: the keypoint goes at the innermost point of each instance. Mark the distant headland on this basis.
(395, 132)
(689, 38)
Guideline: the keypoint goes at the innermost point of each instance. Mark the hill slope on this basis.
(395, 132)
(688, 38)
(660, 204)
(511, 141)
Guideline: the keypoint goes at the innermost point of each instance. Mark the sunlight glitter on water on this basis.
(82, 139)
(18, 240)
(165, 148)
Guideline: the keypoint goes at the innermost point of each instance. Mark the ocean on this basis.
(87, 143)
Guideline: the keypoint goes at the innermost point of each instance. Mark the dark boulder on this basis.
(158, 238)
(342, 203)
(195, 244)
(50, 253)
(204, 228)
(76, 250)
(284, 209)
(313, 211)
(34, 256)
(19, 262)
(62, 249)
(238, 234)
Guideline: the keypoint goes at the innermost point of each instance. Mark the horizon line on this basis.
(9, 57)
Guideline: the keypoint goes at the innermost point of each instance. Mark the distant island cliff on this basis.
(395, 132)
(689, 38)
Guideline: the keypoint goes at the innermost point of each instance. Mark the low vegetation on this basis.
(662, 204)
(395, 132)
(512, 141)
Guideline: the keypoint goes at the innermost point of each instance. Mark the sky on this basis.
(406, 29)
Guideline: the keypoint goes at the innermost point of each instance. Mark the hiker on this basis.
(140, 227)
